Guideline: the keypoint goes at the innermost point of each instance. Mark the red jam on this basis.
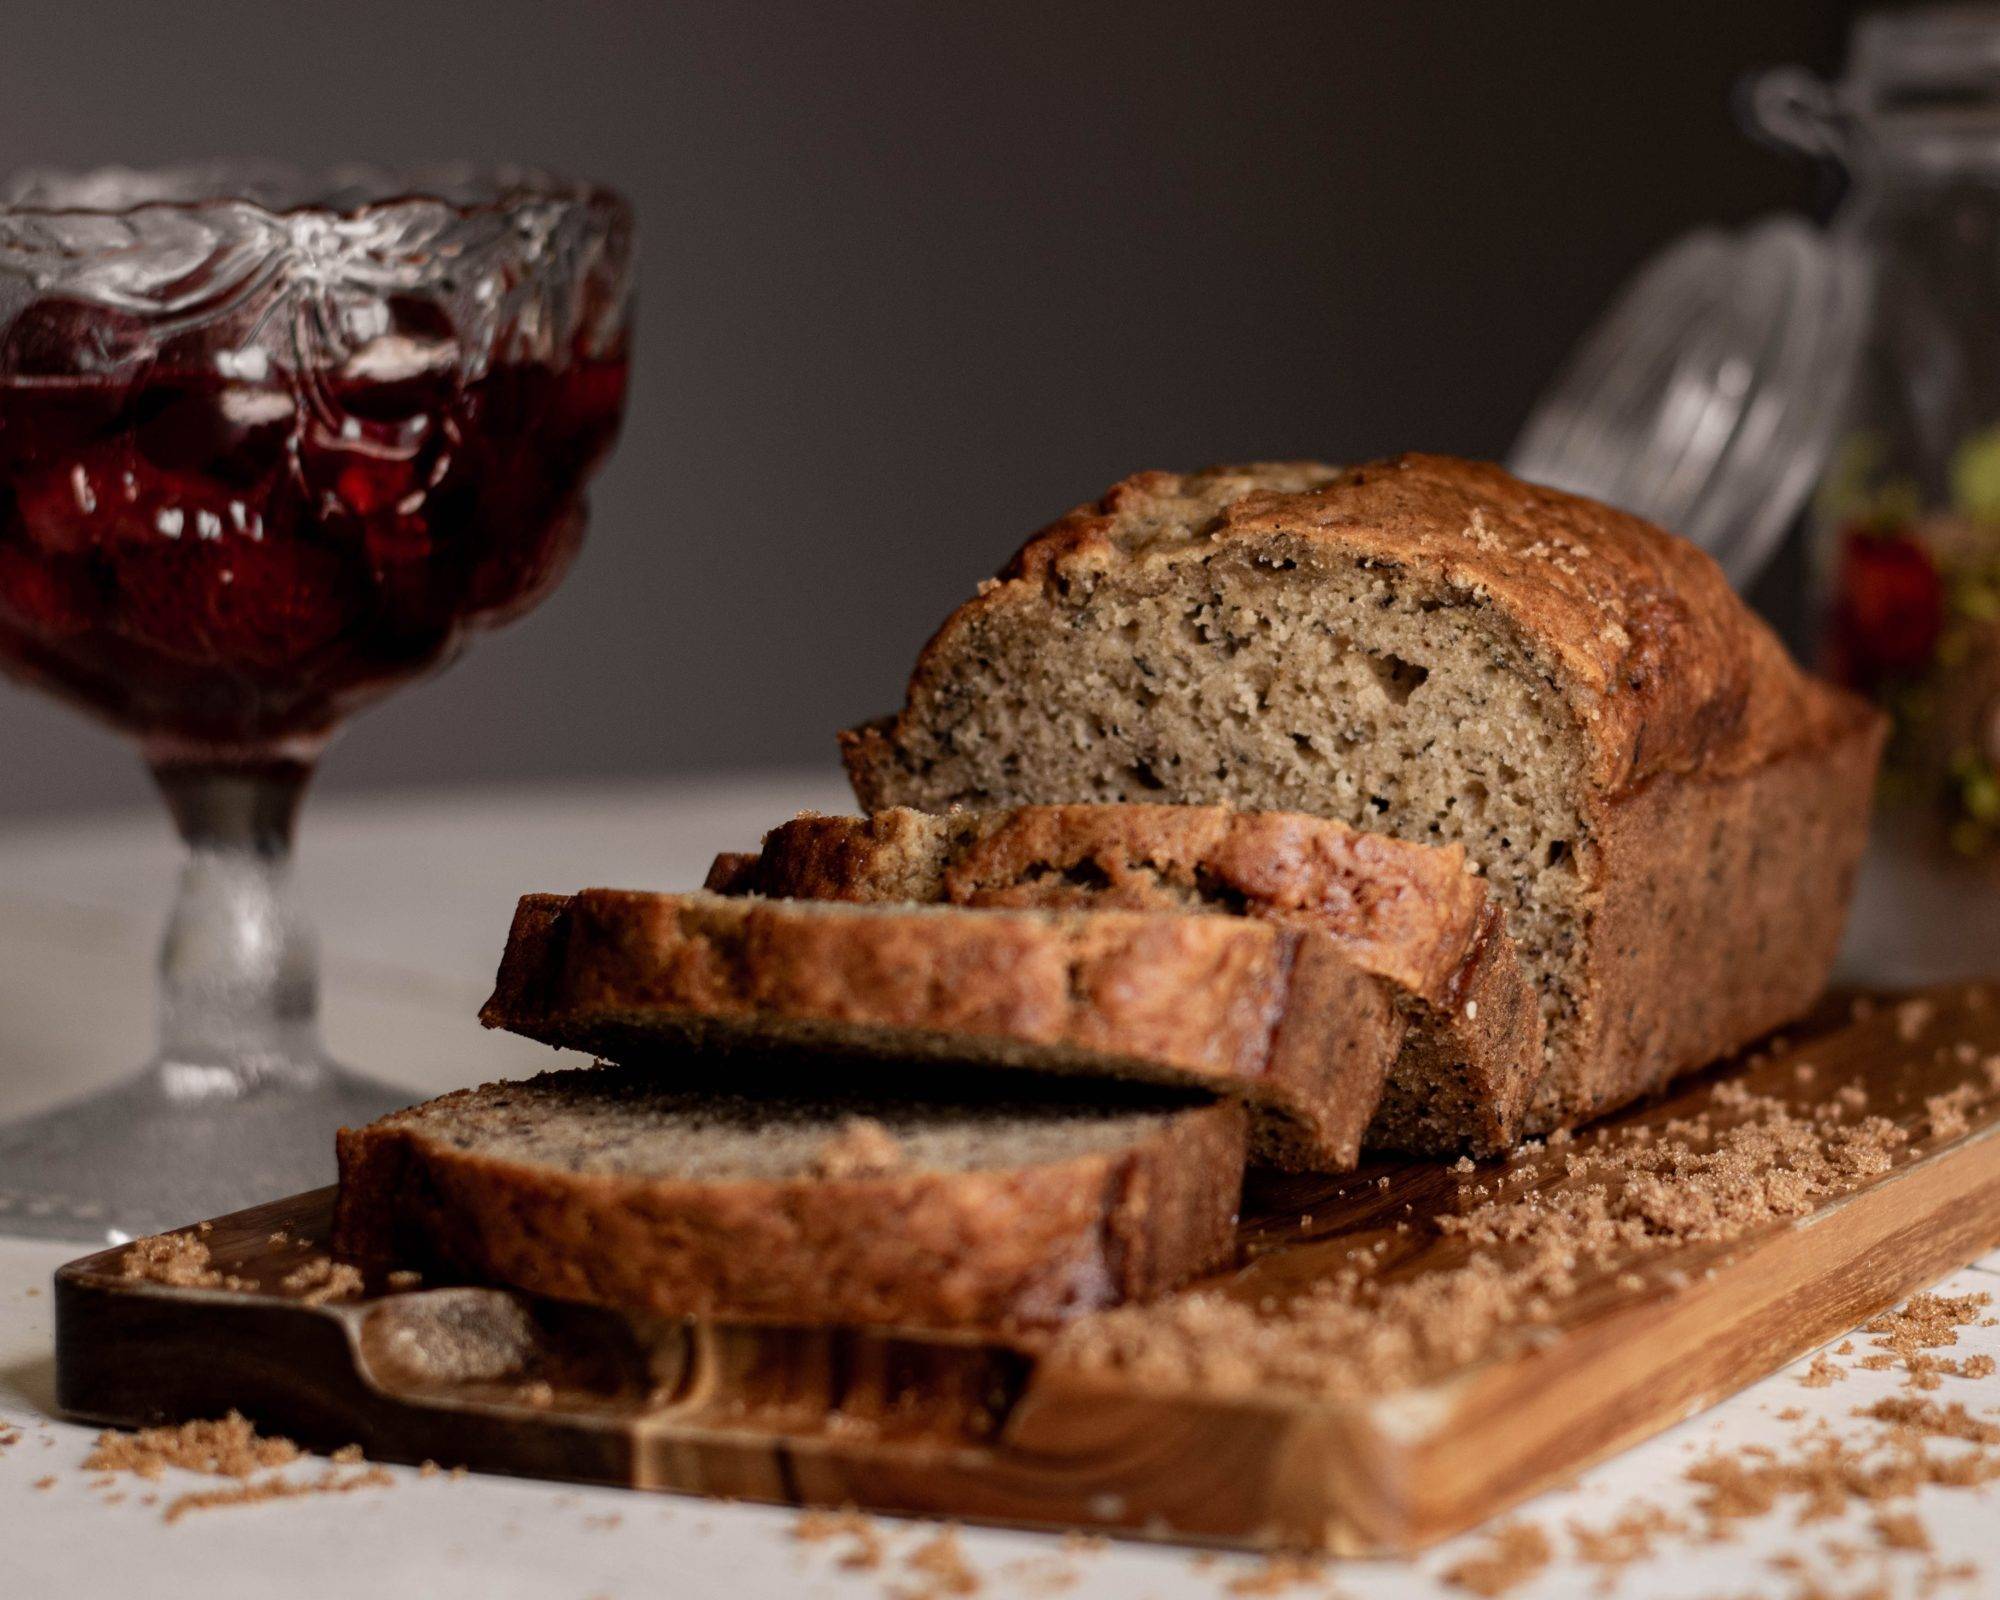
(218, 555)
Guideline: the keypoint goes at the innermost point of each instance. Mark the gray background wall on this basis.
(919, 275)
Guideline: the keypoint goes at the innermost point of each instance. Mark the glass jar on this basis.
(1905, 523)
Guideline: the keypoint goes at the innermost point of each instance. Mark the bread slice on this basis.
(1666, 809)
(1412, 915)
(606, 1186)
(1273, 1015)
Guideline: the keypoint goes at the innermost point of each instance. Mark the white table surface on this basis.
(412, 896)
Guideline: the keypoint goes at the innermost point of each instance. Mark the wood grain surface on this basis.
(994, 1431)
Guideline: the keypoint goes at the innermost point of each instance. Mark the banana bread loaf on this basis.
(1273, 1015)
(1410, 914)
(1668, 811)
(604, 1186)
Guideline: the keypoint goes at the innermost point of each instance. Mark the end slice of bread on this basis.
(605, 1186)
(1272, 1015)
(1410, 914)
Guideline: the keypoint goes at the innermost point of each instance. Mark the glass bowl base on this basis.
(178, 1144)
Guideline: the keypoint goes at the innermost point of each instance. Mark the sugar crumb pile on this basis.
(224, 1447)
(227, 1447)
(1527, 1241)
(862, 1543)
(935, 1568)
(177, 1260)
(1928, 1322)
(322, 1279)
(1514, 1552)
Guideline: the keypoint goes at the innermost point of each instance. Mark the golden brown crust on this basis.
(1658, 659)
(1019, 1247)
(1218, 1002)
(1409, 914)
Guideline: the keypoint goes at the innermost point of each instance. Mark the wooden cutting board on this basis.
(992, 1431)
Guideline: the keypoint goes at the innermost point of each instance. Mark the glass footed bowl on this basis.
(272, 443)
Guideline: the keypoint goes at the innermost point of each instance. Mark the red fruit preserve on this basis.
(223, 555)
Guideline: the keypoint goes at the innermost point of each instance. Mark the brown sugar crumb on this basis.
(1548, 1226)
(45, 1483)
(1515, 1552)
(228, 1447)
(404, 1278)
(940, 1566)
(1912, 1017)
(1277, 1574)
(1947, 1421)
(1039, 1575)
(347, 1455)
(1627, 1538)
(864, 1551)
(1822, 1372)
(275, 1487)
(1928, 1322)
(1901, 1530)
(861, 1148)
(178, 1260)
(1827, 1474)
(322, 1279)
(1949, 1111)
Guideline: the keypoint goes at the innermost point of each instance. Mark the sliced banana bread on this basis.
(1411, 914)
(605, 1186)
(1274, 1015)
(1668, 811)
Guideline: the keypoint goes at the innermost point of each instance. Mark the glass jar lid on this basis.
(1708, 398)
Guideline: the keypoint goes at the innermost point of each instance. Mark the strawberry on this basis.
(1888, 608)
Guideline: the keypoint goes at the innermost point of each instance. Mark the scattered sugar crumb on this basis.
(227, 1447)
(322, 1279)
(1279, 1573)
(177, 1260)
(1536, 1236)
(275, 1487)
(1514, 1553)
(1901, 1530)
(940, 1567)
(864, 1540)
(1949, 1112)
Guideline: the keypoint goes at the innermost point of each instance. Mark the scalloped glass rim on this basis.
(279, 189)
